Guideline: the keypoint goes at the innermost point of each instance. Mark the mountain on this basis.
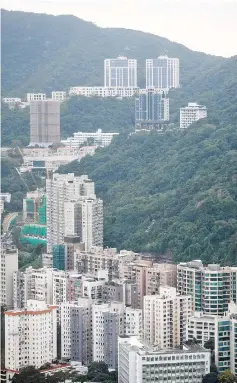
(172, 193)
(43, 53)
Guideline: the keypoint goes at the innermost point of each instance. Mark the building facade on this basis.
(35, 97)
(73, 209)
(139, 362)
(59, 96)
(44, 122)
(191, 113)
(9, 265)
(76, 330)
(212, 288)
(30, 336)
(166, 317)
(98, 138)
(120, 72)
(151, 110)
(104, 91)
(162, 73)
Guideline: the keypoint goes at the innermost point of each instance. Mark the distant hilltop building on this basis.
(162, 73)
(191, 113)
(59, 96)
(102, 91)
(44, 122)
(97, 138)
(120, 72)
(151, 110)
(35, 97)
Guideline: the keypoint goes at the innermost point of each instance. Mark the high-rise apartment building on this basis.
(222, 330)
(9, 265)
(191, 113)
(212, 288)
(165, 317)
(32, 284)
(30, 336)
(73, 209)
(139, 362)
(120, 72)
(76, 331)
(108, 321)
(162, 73)
(44, 122)
(151, 109)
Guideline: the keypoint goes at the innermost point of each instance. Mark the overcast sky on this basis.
(204, 25)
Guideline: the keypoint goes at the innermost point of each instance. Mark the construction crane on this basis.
(31, 172)
(24, 182)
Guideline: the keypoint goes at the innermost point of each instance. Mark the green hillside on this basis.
(172, 192)
(43, 53)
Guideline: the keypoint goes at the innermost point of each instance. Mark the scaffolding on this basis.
(34, 234)
(59, 257)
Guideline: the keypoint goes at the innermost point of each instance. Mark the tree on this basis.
(210, 344)
(29, 375)
(226, 377)
(210, 378)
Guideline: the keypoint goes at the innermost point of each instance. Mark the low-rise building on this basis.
(35, 97)
(59, 96)
(191, 113)
(139, 362)
(98, 138)
(103, 91)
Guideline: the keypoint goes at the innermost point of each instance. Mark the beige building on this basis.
(165, 317)
(9, 265)
(44, 122)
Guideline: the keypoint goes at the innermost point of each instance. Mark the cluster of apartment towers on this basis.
(121, 308)
(120, 80)
(136, 315)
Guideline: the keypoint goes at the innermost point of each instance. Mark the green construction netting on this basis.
(42, 211)
(34, 230)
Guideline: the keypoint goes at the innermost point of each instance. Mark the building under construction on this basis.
(34, 230)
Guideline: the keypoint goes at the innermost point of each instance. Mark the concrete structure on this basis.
(97, 138)
(30, 336)
(32, 284)
(212, 288)
(151, 110)
(44, 122)
(120, 72)
(76, 331)
(191, 113)
(72, 208)
(11, 101)
(139, 362)
(35, 97)
(107, 324)
(162, 73)
(108, 321)
(222, 330)
(59, 96)
(165, 317)
(9, 265)
(103, 91)
(51, 160)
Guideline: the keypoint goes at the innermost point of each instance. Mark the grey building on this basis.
(151, 110)
(44, 122)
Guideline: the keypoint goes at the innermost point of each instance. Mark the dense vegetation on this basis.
(97, 371)
(12, 183)
(44, 53)
(175, 191)
(77, 114)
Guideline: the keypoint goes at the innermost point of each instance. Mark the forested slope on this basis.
(43, 53)
(176, 191)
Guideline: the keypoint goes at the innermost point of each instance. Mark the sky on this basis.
(209, 26)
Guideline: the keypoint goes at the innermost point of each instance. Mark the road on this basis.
(7, 221)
